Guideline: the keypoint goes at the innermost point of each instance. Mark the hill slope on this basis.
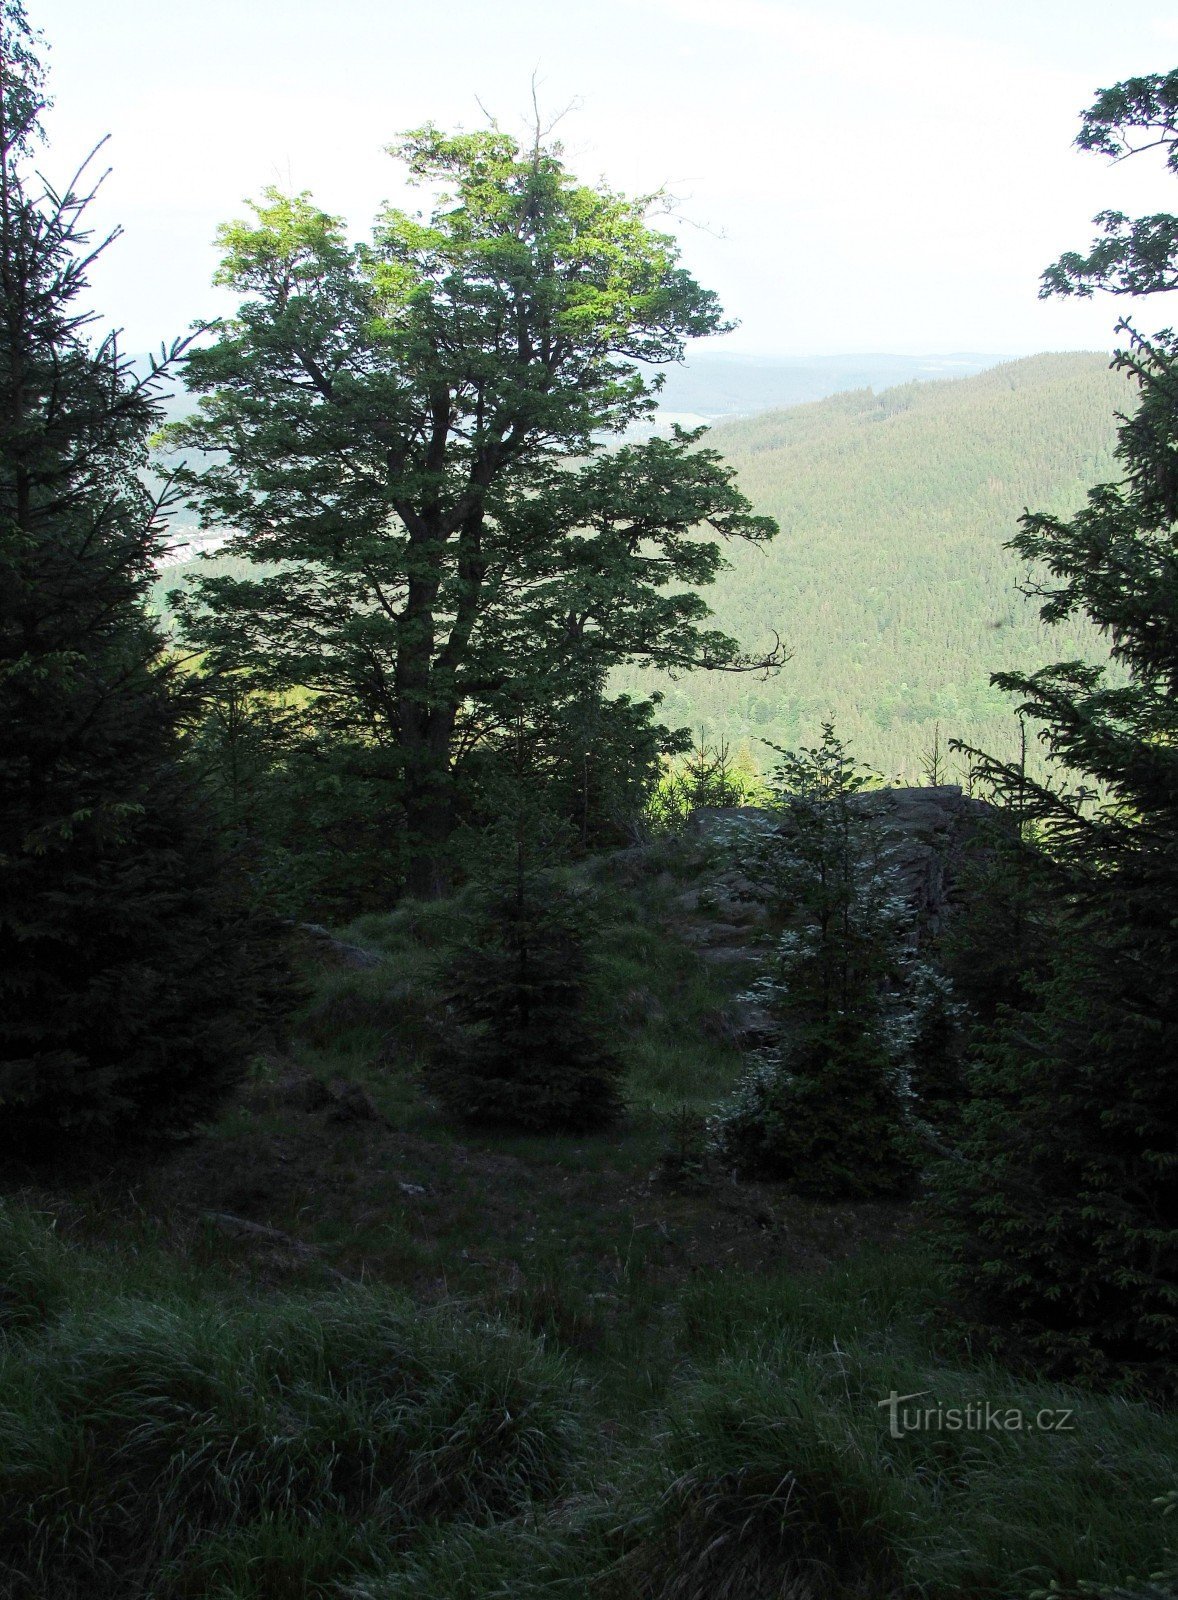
(716, 383)
(889, 581)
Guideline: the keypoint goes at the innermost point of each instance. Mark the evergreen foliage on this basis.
(706, 776)
(126, 985)
(994, 948)
(527, 1056)
(825, 1108)
(1066, 1204)
(317, 815)
(590, 761)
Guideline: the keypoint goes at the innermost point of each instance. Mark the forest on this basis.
(586, 1008)
(891, 582)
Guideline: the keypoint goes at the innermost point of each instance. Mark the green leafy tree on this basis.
(592, 760)
(1065, 1208)
(825, 1106)
(411, 431)
(127, 983)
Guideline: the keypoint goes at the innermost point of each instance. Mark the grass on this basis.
(544, 1374)
(778, 1461)
(165, 1445)
(171, 1442)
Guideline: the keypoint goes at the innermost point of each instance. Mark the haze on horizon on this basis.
(844, 181)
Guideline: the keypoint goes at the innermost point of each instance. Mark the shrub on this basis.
(527, 1056)
(825, 1106)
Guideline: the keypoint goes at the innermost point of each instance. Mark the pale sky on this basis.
(859, 175)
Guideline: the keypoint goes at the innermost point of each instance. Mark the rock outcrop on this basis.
(932, 832)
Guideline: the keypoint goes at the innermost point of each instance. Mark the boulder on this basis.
(931, 833)
(339, 950)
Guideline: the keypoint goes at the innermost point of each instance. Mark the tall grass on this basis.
(776, 1473)
(163, 1443)
(175, 1448)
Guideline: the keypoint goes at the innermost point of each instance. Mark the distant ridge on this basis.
(712, 384)
(889, 580)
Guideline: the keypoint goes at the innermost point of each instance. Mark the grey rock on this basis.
(747, 1023)
(347, 955)
(931, 832)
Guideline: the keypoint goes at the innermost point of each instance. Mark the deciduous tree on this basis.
(411, 430)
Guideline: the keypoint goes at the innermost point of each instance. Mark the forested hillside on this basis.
(720, 383)
(889, 581)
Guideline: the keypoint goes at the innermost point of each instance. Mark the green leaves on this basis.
(410, 431)
(1131, 256)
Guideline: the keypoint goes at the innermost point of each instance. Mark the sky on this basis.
(851, 176)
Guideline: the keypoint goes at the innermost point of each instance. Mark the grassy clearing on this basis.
(549, 1375)
(354, 1444)
(661, 1006)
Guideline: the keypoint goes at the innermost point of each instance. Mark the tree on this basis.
(412, 430)
(592, 761)
(707, 775)
(1065, 1208)
(528, 1053)
(825, 1106)
(126, 988)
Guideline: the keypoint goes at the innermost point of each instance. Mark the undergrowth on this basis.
(167, 1444)
(589, 1412)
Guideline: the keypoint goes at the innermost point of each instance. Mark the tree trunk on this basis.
(429, 805)
(429, 822)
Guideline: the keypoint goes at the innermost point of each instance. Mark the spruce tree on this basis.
(1064, 1210)
(527, 1055)
(125, 984)
(824, 1107)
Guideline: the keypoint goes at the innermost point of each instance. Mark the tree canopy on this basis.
(410, 433)
(1069, 1189)
(1136, 255)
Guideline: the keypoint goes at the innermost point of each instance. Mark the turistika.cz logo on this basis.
(977, 1416)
